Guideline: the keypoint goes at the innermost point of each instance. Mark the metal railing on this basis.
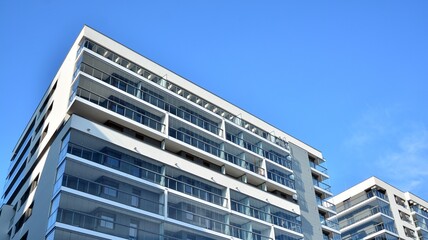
(326, 204)
(364, 214)
(322, 185)
(264, 216)
(120, 109)
(143, 173)
(354, 201)
(189, 139)
(120, 196)
(150, 98)
(209, 223)
(283, 180)
(318, 167)
(115, 228)
(275, 157)
(370, 230)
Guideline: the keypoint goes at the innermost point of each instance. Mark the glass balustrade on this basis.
(108, 192)
(143, 173)
(271, 155)
(193, 140)
(280, 219)
(152, 98)
(326, 204)
(318, 167)
(322, 185)
(356, 217)
(354, 201)
(137, 114)
(119, 228)
(280, 178)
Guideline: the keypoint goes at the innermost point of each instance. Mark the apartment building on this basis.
(122, 148)
(375, 210)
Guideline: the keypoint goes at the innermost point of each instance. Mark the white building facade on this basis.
(375, 210)
(122, 148)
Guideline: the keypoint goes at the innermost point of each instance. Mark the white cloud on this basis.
(406, 166)
(391, 147)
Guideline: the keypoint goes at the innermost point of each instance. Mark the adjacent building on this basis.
(121, 148)
(375, 210)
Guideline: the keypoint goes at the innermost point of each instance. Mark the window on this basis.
(404, 216)
(107, 221)
(135, 197)
(400, 201)
(409, 232)
(110, 187)
(133, 229)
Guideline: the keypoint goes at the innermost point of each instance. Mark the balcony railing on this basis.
(330, 223)
(209, 223)
(195, 191)
(318, 167)
(192, 140)
(370, 230)
(143, 173)
(322, 185)
(347, 221)
(147, 96)
(417, 209)
(120, 109)
(275, 157)
(264, 216)
(120, 229)
(126, 198)
(334, 236)
(326, 204)
(283, 180)
(362, 198)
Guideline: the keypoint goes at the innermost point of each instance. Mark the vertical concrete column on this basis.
(240, 137)
(260, 148)
(249, 228)
(267, 210)
(246, 202)
(163, 174)
(222, 132)
(165, 205)
(166, 124)
(139, 90)
(226, 201)
(222, 155)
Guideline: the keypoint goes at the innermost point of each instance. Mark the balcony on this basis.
(326, 204)
(142, 172)
(120, 107)
(346, 221)
(113, 194)
(369, 230)
(318, 167)
(203, 217)
(151, 97)
(106, 225)
(212, 148)
(280, 219)
(354, 201)
(322, 185)
(281, 178)
(271, 155)
(418, 209)
(330, 223)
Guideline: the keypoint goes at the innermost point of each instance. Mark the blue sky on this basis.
(347, 77)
